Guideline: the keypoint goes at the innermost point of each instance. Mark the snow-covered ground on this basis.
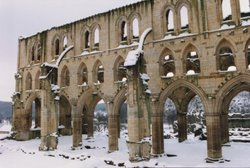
(93, 153)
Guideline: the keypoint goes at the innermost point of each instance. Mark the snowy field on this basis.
(93, 153)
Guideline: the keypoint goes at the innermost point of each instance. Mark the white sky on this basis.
(27, 17)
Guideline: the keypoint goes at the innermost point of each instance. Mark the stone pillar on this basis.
(138, 149)
(235, 6)
(224, 128)
(49, 114)
(77, 124)
(182, 126)
(90, 121)
(213, 124)
(157, 128)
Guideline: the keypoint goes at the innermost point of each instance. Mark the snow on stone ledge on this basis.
(190, 72)
(144, 76)
(49, 65)
(246, 22)
(133, 55)
(232, 69)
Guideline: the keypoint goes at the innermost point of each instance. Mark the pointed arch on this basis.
(191, 60)
(96, 28)
(65, 42)
(33, 50)
(56, 46)
(167, 63)
(28, 82)
(184, 14)
(119, 69)
(98, 72)
(225, 53)
(122, 30)
(65, 116)
(82, 74)
(65, 77)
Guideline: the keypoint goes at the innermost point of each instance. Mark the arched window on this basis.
(65, 42)
(98, 72)
(28, 82)
(96, 37)
(184, 17)
(225, 59)
(244, 8)
(33, 49)
(124, 32)
(82, 74)
(167, 64)
(192, 63)
(135, 28)
(87, 39)
(39, 52)
(170, 21)
(226, 10)
(119, 70)
(65, 77)
(57, 47)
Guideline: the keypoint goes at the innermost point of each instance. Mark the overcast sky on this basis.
(27, 17)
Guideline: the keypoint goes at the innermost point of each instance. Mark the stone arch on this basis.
(119, 69)
(225, 96)
(65, 76)
(82, 74)
(191, 60)
(56, 46)
(122, 30)
(180, 5)
(182, 83)
(84, 45)
(165, 18)
(96, 28)
(167, 63)
(33, 98)
(32, 52)
(37, 80)
(98, 72)
(28, 81)
(231, 87)
(225, 53)
(135, 27)
(86, 106)
(65, 41)
(65, 115)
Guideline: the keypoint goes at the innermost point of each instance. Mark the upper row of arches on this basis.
(176, 19)
(225, 61)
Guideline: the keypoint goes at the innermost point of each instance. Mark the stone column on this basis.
(49, 114)
(235, 6)
(138, 149)
(112, 127)
(90, 117)
(182, 126)
(224, 128)
(157, 128)
(77, 124)
(213, 124)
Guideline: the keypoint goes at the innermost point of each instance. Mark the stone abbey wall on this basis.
(209, 56)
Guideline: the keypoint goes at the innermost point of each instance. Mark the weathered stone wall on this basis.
(205, 36)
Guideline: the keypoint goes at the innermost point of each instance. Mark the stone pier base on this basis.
(48, 143)
(139, 151)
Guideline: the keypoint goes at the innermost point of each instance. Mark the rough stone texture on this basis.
(216, 88)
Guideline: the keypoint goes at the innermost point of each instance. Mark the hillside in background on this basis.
(5, 110)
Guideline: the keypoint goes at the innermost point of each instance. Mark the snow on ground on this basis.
(93, 153)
